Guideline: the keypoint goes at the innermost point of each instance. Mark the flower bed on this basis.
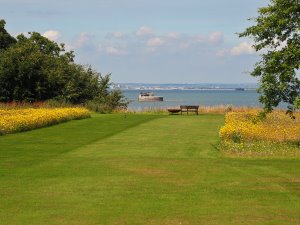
(16, 120)
(244, 134)
(246, 126)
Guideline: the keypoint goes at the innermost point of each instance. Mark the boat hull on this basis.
(151, 99)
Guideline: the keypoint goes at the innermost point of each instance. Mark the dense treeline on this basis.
(34, 68)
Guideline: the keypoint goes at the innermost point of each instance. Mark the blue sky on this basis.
(157, 41)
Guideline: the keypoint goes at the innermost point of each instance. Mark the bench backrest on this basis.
(189, 106)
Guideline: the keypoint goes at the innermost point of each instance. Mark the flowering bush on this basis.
(246, 126)
(15, 120)
(245, 135)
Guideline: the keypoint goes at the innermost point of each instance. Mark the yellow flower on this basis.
(14, 120)
(277, 127)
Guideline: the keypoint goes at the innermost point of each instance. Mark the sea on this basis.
(204, 95)
(175, 98)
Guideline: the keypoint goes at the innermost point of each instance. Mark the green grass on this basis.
(140, 169)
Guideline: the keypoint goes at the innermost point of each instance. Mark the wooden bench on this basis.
(189, 108)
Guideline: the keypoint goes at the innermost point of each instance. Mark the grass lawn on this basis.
(140, 169)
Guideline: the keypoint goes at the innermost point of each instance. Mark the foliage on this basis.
(6, 40)
(80, 84)
(277, 32)
(16, 120)
(35, 68)
(106, 100)
(30, 69)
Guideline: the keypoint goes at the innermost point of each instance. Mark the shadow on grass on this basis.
(36, 146)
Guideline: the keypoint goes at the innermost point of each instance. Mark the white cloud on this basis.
(216, 38)
(199, 38)
(145, 40)
(192, 41)
(83, 39)
(242, 49)
(173, 35)
(184, 45)
(111, 50)
(118, 34)
(213, 38)
(52, 35)
(144, 31)
(152, 42)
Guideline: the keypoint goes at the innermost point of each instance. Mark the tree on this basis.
(6, 40)
(277, 33)
(32, 69)
(80, 84)
(111, 98)
(35, 68)
(107, 100)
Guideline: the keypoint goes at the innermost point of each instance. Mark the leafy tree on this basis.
(277, 33)
(112, 98)
(35, 68)
(6, 39)
(31, 69)
(80, 84)
(107, 100)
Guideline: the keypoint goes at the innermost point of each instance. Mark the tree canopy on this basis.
(277, 33)
(34, 68)
(5, 38)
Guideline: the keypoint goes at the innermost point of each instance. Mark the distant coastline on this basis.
(200, 86)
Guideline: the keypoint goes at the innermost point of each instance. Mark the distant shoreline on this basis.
(203, 86)
(187, 89)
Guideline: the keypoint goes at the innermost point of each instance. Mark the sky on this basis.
(143, 41)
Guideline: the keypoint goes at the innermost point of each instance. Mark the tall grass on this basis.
(217, 109)
(37, 105)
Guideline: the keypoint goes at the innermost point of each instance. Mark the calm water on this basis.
(174, 98)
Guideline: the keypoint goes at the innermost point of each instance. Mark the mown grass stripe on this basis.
(142, 170)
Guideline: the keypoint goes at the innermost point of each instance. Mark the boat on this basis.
(149, 97)
(239, 89)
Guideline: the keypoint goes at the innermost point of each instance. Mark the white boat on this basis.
(149, 97)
